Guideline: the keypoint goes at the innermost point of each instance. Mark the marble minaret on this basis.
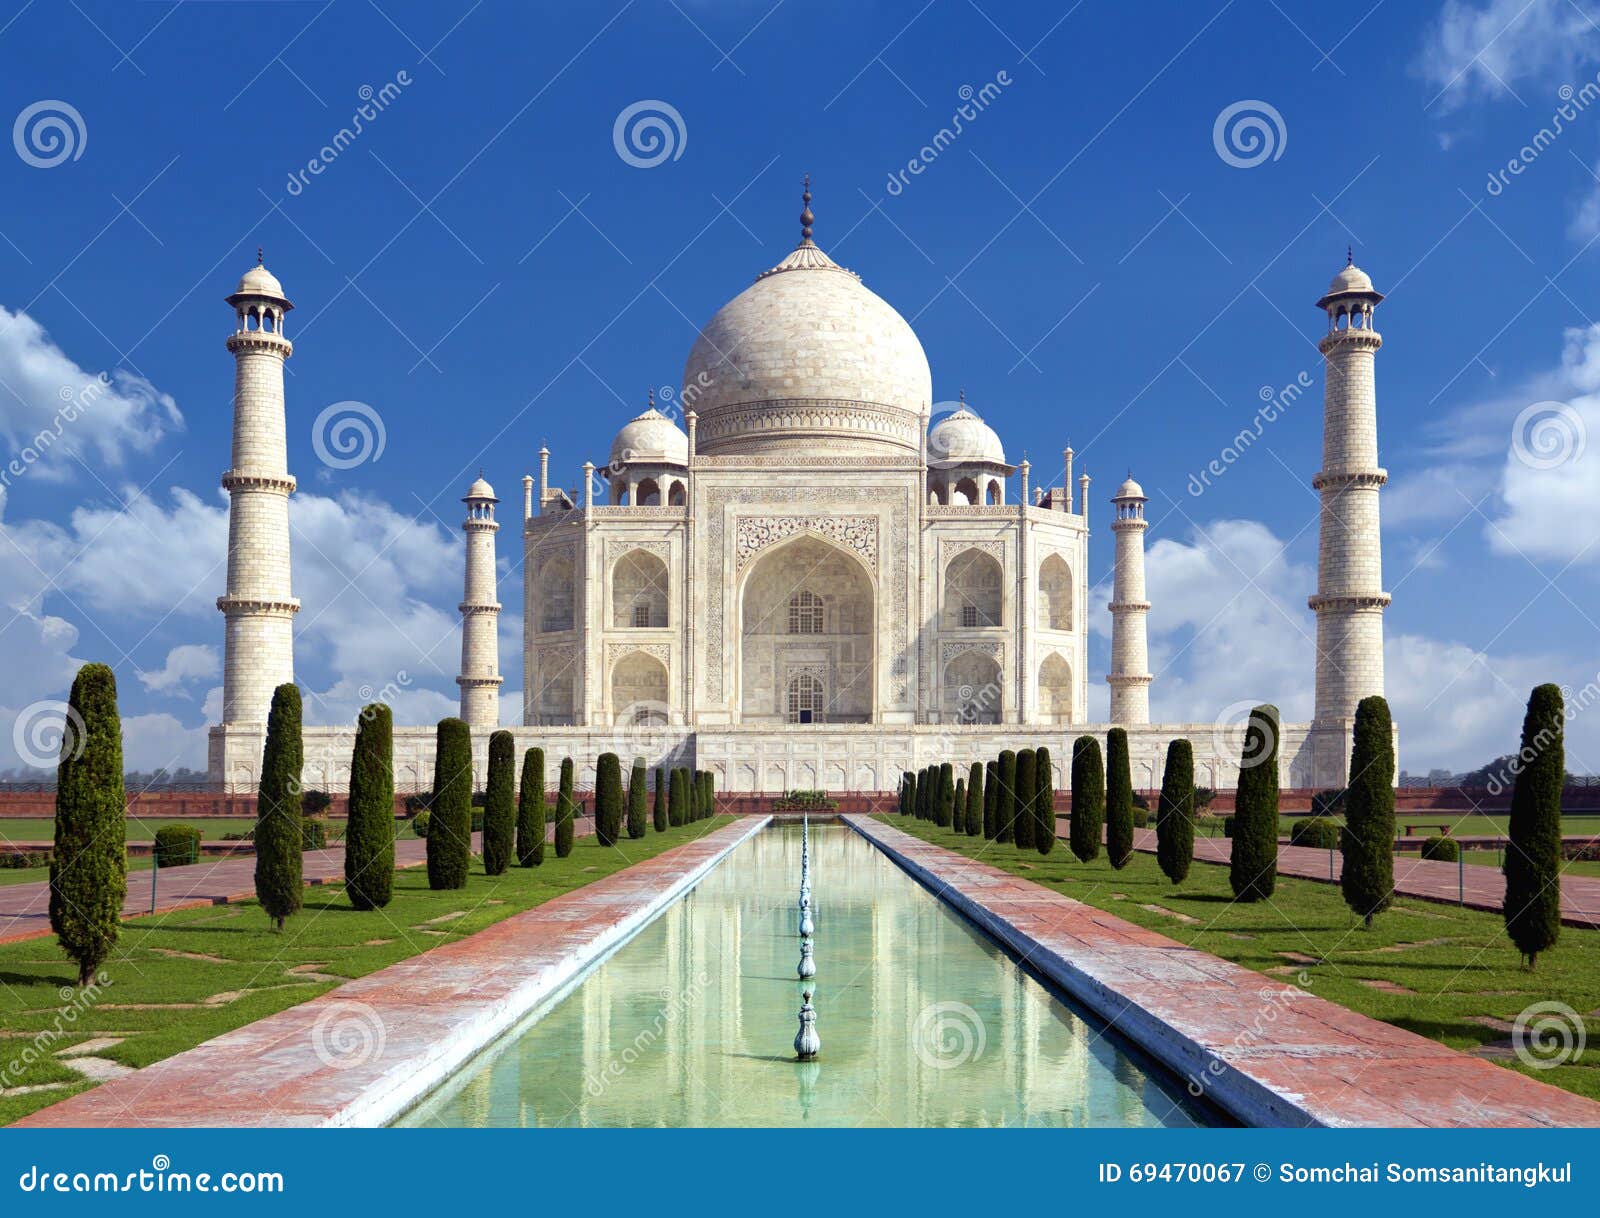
(1130, 654)
(258, 651)
(480, 613)
(1350, 599)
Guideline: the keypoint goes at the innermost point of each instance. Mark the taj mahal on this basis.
(806, 573)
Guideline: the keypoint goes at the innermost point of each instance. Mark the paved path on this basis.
(363, 1052)
(1268, 1052)
(25, 908)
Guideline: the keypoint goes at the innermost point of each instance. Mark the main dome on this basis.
(807, 358)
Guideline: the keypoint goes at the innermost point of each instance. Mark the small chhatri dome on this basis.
(1129, 490)
(258, 281)
(649, 439)
(1351, 279)
(480, 489)
(961, 438)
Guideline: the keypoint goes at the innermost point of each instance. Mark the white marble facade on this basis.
(804, 572)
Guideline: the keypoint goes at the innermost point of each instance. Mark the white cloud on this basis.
(185, 662)
(161, 742)
(1550, 476)
(1487, 49)
(52, 410)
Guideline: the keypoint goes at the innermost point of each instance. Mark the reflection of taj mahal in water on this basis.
(820, 579)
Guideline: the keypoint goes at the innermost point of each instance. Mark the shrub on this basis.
(500, 804)
(1314, 832)
(1005, 807)
(566, 810)
(1175, 813)
(1141, 817)
(1330, 803)
(1023, 825)
(1088, 798)
(419, 823)
(89, 871)
(802, 801)
(924, 793)
(177, 846)
(659, 810)
(369, 831)
(638, 800)
(417, 802)
(450, 809)
(1368, 841)
(958, 810)
(1141, 801)
(531, 810)
(711, 795)
(678, 797)
(313, 834)
(1119, 799)
(1202, 799)
(26, 859)
(1253, 871)
(1044, 802)
(991, 799)
(317, 803)
(1227, 826)
(1440, 849)
(280, 832)
(974, 808)
(1533, 851)
(608, 799)
(908, 785)
(947, 796)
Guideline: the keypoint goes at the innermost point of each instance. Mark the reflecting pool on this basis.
(923, 1021)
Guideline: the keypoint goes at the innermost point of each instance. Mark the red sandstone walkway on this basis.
(1481, 887)
(25, 908)
(362, 1053)
(1268, 1052)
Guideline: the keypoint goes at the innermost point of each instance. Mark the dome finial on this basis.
(1349, 255)
(260, 256)
(961, 394)
(806, 218)
(651, 395)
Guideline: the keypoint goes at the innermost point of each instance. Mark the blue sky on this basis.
(483, 269)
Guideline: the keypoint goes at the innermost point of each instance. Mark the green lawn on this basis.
(139, 829)
(1492, 858)
(1463, 824)
(28, 875)
(184, 977)
(1459, 979)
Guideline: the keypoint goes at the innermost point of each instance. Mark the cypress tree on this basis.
(1088, 798)
(369, 830)
(608, 799)
(711, 794)
(89, 864)
(531, 810)
(500, 804)
(279, 837)
(1005, 806)
(1368, 839)
(958, 820)
(450, 809)
(659, 814)
(1044, 802)
(1533, 855)
(1253, 872)
(638, 800)
(566, 811)
(947, 795)
(678, 797)
(1119, 799)
(1027, 788)
(1175, 813)
(974, 809)
(991, 797)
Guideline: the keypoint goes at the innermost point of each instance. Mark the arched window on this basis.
(972, 595)
(640, 590)
(805, 613)
(555, 592)
(1055, 594)
(805, 698)
(676, 496)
